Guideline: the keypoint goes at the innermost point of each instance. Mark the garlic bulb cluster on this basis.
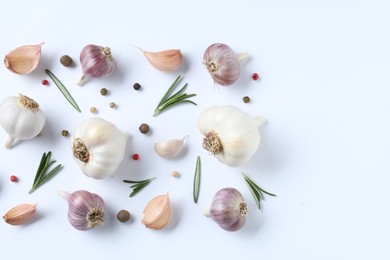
(228, 209)
(98, 147)
(157, 213)
(222, 63)
(24, 59)
(85, 209)
(96, 62)
(20, 214)
(230, 134)
(169, 149)
(21, 118)
(167, 60)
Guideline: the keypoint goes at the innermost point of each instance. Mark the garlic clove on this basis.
(169, 149)
(157, 213)
(24, 59)
(20, 214)
(167, 60)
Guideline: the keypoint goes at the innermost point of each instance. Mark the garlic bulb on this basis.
(98, 147)
(85, 209)
(230, 134)
(222, 63)
(24, 59)
(157, 213)
(169, 149)
(20, 214)
(228, 209)
(167, 60)
(96, 62)
(21, 118)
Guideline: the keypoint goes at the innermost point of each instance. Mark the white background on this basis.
(325, 148)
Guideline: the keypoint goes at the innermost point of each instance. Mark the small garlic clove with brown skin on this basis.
(24, 59)
(20, 214)
(169, 149)
(167, 60)
(157, 213)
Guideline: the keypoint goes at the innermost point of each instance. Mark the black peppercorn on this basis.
(136, 86)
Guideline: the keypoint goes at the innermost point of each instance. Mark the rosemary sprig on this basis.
(170, 100)
(63, 90)
(256, 191)
(138, 185)
(197, 180)
(42, 176)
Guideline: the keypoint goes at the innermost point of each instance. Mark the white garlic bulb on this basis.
(230, 134)
(21, 118)
(98, 147)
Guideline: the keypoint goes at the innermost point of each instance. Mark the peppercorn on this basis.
(104, 91)
(112, 105)
(65, 133)
(255, 76)
(123, 216)
(175, 174)
(246, 99)
(93, 110)
(13, 178)
(66, 61)
(144, 128)
(45, 82)
(136, 86)
(135, 156)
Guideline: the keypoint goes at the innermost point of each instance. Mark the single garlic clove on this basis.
(157, 213)
(169, 149)
(24, 59)
(167, 60)
(20, 214)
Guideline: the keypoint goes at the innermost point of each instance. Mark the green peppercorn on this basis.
(136, 86)
(66, 61)
(65, 133)
(123, 215)
(104, 91)
(144, 128)
(246, 99)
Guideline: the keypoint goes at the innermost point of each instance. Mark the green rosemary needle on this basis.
(138, 185)
(42, 176)
(197, 180)
(63, 90)
(256, 191)
(170, 100)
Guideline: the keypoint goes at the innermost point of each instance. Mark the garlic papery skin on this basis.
(157, 213)
(169, 149)
(98, 147)
(20, 214)
(21, 118)
(229, 209)
(96, 62)
(24, 59)
(85, 209)
(222, 63)
(230, 134)
(167, 60)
